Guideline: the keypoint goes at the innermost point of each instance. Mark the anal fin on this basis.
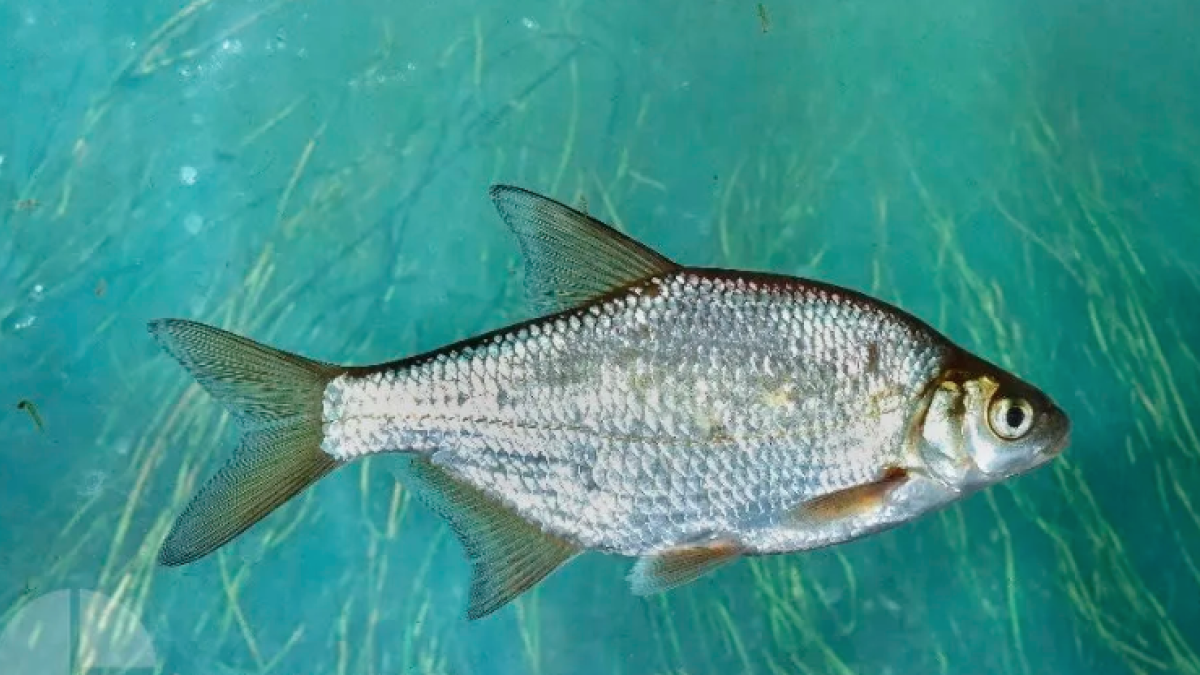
(681, 565)
(850, 502)
(508, 554)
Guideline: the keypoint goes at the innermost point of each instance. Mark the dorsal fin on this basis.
(570, 257)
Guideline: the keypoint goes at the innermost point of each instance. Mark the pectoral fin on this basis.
(681, 565)
(857, 500)
(508, 555)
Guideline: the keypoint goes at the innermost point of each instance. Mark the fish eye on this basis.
(1010, 418)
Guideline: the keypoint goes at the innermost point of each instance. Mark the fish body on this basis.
(685, 417)
(697, 402)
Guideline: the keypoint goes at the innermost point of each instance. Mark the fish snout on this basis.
(1059, 437)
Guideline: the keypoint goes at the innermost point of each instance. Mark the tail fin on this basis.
(276, 398)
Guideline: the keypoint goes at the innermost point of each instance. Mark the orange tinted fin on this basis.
(508, 554)
(851, 501)
(681, 565)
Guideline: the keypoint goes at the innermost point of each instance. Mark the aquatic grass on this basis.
(988, 322)
(1109, 271)
(988, 325)
(354, 208)
(260, 304)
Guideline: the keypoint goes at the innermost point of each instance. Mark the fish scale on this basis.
(689, 344)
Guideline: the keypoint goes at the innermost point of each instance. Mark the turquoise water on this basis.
(313, 174)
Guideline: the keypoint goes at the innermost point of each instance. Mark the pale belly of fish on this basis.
(692, 404)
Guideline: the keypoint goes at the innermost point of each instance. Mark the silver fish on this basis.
(685, 417)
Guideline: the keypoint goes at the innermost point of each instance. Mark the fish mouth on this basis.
(1059, 444)
(1058, 448)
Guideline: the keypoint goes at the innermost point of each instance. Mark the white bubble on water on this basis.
(22, 321)
(37, 292)
(193, 223)
(188, 174)
(530, 24)
(122, 446)
(890, 605)
(232, 46)
(93, 483)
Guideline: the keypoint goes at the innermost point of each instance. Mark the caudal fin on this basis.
(276, 399)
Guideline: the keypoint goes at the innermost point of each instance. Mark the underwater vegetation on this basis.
(313, 175)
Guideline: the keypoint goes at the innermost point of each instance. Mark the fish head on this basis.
(982, 426)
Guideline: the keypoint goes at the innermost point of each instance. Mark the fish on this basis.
(682, 417)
